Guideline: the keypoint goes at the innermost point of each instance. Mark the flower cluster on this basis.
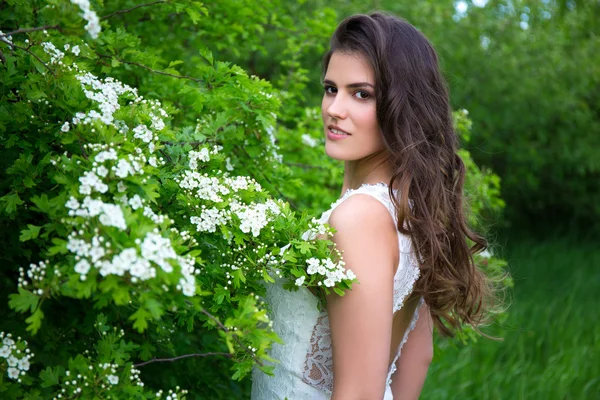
(252, 217)
(309, 140)
(316, 229)
(55, 54)
(139, 262)
(93, 22)
(176, 394)
(16, 355)
(104, 92)
(108, 214)
(332, 272)
(36, 273)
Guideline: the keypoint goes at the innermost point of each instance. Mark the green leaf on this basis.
(23, 301)
(31, 232)
(34, 322)
(49, 376)
(305, 247)
(140, 318)
(11, 201)
(42, 203)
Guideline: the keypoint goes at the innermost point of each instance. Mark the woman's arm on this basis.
(361, 320)
(416, 355)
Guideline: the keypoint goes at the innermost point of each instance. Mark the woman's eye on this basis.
(362, 95)
(330, 89)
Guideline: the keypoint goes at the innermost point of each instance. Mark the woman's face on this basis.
(348, 109)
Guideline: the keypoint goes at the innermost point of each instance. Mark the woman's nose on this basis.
(337, 108)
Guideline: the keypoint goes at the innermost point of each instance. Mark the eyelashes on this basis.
(360, 94)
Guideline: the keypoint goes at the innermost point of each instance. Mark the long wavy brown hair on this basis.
(415, 117)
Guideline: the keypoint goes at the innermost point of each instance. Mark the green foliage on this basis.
(548, 330)
(152, 189)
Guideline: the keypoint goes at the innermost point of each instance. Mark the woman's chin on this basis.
(335, 153)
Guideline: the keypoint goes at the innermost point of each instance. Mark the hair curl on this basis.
(415, 117)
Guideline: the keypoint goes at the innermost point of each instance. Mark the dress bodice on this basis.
(305, 369)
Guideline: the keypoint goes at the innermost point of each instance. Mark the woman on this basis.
(399, 225)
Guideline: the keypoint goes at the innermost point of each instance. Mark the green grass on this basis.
(551, 347)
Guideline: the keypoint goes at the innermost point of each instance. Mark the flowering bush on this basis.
(139, 230)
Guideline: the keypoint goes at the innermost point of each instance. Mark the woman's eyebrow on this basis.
(351, 85)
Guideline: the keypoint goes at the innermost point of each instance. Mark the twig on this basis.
(14, 46)
(153, 70)
(224, 328)
(27, 30)
(168, 157)
(180, 357)
(132, 8)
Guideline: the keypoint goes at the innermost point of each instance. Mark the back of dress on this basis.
(305, 370)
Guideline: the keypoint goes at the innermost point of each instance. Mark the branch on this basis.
(14, 46)
(27, 30)
(180, 357)
(132, 8)
(224, 328)
(153, 70)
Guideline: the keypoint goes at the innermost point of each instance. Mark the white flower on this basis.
(300, 281)
(209, 219)
(112, 215)
(5, 351)
(75, 50)
(350, 274)
(82, 267)
(23, 364)
(328, 282)
(90, 181)
(142, 132)
(123, 168)
(102, 171)
(309, 140)
(13, 373)
(106, 155)
(112, 379)
(136, 202)
(72, 204)
(93, 22)
(121, 187)
(313, 264)
(485, 254)
(254, 217)
(55, 54)
(202, 155)
(228, 165)
(158, 249)
(152, 161)
(65, 127)
(12, 361)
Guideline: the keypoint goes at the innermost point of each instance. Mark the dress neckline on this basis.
(378, 185)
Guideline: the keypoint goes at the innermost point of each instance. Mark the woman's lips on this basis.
(334, 133)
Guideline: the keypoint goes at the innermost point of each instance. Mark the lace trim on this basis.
(318, 366)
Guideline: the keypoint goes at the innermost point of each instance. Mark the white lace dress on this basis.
(305, 370)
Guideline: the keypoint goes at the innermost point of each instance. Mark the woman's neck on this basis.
(370, 170)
